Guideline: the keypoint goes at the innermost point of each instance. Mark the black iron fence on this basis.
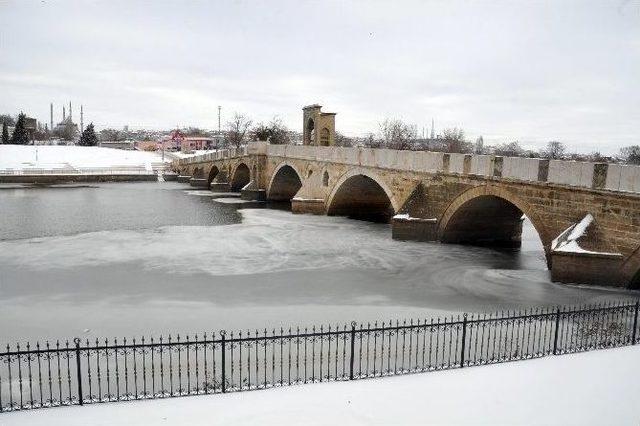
(83, 372)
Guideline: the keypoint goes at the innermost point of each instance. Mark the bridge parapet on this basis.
(601, 176)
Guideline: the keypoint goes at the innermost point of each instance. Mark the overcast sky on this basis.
(531, 71)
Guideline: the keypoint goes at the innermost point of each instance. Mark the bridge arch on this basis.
(241, 177)
(212, 174)
(285, 182)
(310, 132)
(362, 194)
(489, 215)
(634, 284)
(631, 270)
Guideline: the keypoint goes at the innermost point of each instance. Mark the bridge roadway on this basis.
(586, 214)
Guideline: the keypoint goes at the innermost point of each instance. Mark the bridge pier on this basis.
(220, 183)
(183, 178)
(252, 192)
(406, 228)
(587, 268)
(198, 182)
(308, 206)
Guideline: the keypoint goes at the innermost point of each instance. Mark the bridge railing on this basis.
(602, 176)
(83, 372)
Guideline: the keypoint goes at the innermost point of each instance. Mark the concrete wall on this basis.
(623, 178)
(482, 165)
(520, 168)
(572, 173)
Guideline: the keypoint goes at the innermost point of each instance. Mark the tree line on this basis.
(241, 129)
(396, 134)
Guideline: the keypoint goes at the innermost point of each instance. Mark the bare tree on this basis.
(9, 120)
(370, 141)
(237, 129)
(597, 157)
(280, 134)
(261, 132)
(110, 135)
(630, 154)
(511, 149)
(555, 150)
(396, 134)
(275, 132)
(342, 140)
(454, 141)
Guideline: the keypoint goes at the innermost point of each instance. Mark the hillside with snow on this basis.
(24, 157)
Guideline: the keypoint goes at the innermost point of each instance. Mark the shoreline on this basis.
(65, 178)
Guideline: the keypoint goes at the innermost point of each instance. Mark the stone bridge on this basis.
(587, 215)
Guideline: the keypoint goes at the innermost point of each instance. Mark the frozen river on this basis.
(120, 260)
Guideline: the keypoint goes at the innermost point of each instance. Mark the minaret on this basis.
(433, 132)
(70, 114)
(81, 120)
(64, 115)
(51, 111)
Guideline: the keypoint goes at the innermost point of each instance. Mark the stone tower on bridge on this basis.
(319, 128)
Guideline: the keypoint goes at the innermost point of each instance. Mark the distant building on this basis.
(173, 142)
(66, 129)
(194, 143)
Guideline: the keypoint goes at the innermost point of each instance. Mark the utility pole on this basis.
(219, 134)
(219, 108)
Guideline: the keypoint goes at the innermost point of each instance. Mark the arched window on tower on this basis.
(324, 137)
(310, 132)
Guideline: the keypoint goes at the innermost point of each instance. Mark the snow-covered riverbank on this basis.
(21, 157)
(594, 388)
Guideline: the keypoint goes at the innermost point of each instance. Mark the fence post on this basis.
(78, 371)
(224, 369)
(635, 325)
(464, 338)
(555, 338)
(353, 346)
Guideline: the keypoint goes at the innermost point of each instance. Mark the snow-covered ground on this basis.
(595, 388)
(21, 157)
(181, 154)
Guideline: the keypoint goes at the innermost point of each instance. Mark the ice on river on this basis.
(267, 241)
(274, 268)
